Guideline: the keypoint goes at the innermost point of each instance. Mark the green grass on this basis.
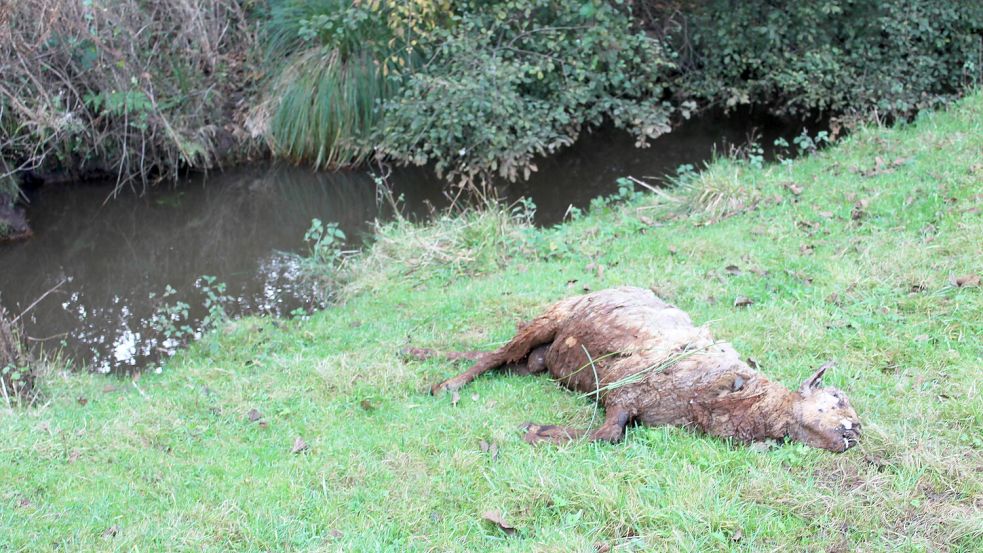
(172, 461)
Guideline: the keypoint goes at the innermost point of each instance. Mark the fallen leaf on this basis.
(833, 298)
(808, 227)
(264, 424)
(859, 210)
(367, 405)
(806, 249)
(794, 188)
(254, 415)
(299, 446)
(74, 455)
(111, 532)
(491, 449)
(742, 301)
(601, 547)
(806, 279)
(646, 221)
(336, 534)
(82, 400)
(455, 397)
(495, 517)
(965, 281)
(24, 503)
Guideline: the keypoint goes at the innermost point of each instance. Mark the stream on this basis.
(113, 265)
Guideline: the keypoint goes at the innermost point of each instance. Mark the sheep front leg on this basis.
(613, 429)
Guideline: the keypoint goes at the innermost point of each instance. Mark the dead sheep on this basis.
(644, 361)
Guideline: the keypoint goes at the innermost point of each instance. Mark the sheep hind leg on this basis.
(534, 363)
(540, 332)
(613, 429)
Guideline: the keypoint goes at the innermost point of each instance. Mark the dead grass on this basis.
(120, 87)
(725, 188)
(17, 370)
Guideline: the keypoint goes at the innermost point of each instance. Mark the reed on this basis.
(327, 62)
(326, 104)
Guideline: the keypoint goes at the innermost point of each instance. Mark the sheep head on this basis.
(822, 417)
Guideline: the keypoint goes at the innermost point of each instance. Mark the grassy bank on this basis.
(852, 255)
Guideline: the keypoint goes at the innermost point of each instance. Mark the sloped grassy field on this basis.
(855, 254)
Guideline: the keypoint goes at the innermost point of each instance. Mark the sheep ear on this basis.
(815, 381)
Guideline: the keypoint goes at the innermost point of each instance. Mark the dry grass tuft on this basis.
(471, 243)
(720, 191)
(16, 364)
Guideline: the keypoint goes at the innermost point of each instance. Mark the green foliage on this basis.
(215, 302)
(325, 242)
(507, 81)
(324, 263)
(171, 319)
(838, 56)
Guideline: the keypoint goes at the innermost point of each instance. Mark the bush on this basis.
(123, 87)
(841, 57)
(506, 81)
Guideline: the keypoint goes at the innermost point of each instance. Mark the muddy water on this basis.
(112, 261)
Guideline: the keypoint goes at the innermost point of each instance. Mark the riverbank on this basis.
(315, 434)
(142, 93)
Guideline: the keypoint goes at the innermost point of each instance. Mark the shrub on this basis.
(129, 88)
(506, 81)
(842, 57)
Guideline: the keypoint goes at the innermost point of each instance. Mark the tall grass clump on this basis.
(326, 104)
(332, 65)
